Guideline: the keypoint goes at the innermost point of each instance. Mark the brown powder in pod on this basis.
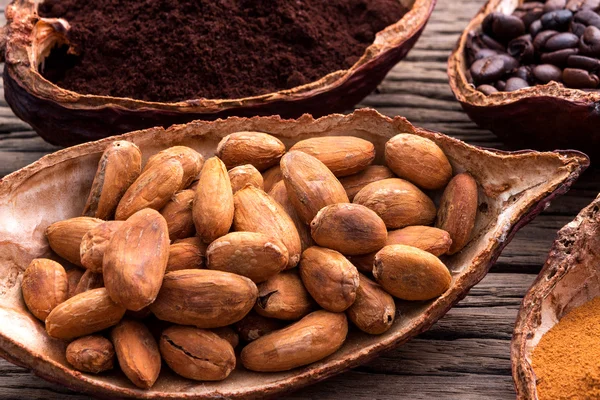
(172, 50)
(567, 359)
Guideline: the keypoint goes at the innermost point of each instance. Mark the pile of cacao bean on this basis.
(558, 40)
(256, 250)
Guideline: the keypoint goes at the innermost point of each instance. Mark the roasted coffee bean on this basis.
(503, 27)
(554, 5)
(558, 57)
(564, 40)
(589, 44)
(577, 28)
(489, 69)
(535, 28)
(591, 5)
(576, 5)
(484, 53)
(515, 83)
(510, 63)
(540, 40)
(588, 18)
(545, 73)
(523, 72)
(522, 48)
(501, 85)
(490, 43)
(558, 20)
(529, 12)
(487, 89)
(579, 78)
(583, 62)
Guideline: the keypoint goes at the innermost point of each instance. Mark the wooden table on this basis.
(466, 354)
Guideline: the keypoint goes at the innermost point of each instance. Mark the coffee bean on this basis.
(558, 57)
(535, 28)
(588, 18)
(545, 73)
(510, 63)
(487, 70)
(576, 5)
(577, 28)
(503, 27)
(561, 41)
(558, 20)
(579, 78)
(523, 72)
(522, 48)
(501, 85)
(553, 5)
(540, 40)
(515, 83)
(490, 43)
(593, 5)
(484, 53)
(487, 89)
(583, 62)
(530, 12)
(589, 43)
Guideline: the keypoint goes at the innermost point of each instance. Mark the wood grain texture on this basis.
(466, 354)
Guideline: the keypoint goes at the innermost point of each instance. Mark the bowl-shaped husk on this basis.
(514, 188)
(570, 278)
(66, 118)
(542, 117)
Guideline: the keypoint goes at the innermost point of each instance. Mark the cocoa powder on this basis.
(165, 50)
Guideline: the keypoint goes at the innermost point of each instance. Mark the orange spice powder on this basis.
(567, 359)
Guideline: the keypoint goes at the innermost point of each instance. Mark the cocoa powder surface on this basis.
(566, 361)
(173, 50)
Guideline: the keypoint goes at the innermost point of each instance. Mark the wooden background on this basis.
(466, 354)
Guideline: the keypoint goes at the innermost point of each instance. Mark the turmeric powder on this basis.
(566, 361)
